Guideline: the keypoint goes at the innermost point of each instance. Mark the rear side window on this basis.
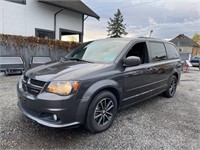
(172, 52)
(158, 51)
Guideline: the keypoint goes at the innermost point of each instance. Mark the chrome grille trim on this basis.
(32, 86)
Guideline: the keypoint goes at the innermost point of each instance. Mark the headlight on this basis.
(63, 87)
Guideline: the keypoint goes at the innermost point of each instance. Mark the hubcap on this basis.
(172, 87)
(103, 112)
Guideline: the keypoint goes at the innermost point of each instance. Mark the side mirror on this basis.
(132, 61)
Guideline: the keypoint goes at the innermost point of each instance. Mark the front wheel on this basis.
(101, 112)
(172, 85)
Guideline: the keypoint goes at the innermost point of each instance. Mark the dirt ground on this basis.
(158, 123)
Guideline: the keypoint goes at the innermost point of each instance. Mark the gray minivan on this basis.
(96, 79)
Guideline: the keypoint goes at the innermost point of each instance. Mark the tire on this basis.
(172, 85)
(101, 112)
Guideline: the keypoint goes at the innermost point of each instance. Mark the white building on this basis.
(44, 18)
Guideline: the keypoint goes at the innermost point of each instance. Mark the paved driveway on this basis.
(158, 123)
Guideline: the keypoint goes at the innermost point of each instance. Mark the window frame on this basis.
(151, 54)
(44, 30)
(72, 32)
(132, 45)
(168, 53)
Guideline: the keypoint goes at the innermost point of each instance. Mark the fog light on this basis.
(55, 117)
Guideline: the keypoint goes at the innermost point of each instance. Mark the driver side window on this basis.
(139, 50)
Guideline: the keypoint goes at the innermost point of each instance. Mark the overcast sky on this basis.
(167, 18)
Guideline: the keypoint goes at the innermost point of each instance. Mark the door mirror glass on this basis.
(132, 61)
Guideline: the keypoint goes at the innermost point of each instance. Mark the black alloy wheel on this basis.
(171, 87)
(104, 112)
(101, 112)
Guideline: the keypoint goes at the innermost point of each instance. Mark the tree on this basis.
(116, 28)
(196, 38)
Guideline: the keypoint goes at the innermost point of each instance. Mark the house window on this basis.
(46, 34)
(70, 35)
(18, 1)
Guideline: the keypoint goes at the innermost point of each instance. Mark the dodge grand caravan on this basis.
(89, 85)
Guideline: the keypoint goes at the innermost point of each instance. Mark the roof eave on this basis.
(67, 8)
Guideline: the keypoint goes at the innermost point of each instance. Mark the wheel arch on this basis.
(103, 85)
(175, 72)
(113, 90)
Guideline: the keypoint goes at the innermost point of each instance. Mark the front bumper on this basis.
(42, 108)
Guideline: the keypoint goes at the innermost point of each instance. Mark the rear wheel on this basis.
(101, 112)
(172, 85)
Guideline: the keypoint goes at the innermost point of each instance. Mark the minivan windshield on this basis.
(105, 51)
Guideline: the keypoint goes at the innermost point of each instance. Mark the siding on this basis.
(14, 21)
(18, 19)
(186, 49)
(69, 20)
(1, 17)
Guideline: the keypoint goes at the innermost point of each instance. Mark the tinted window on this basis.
(11, 60)
(99, 51)
(172, 52)
(158, 51)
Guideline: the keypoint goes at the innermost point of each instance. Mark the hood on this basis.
(63, 70)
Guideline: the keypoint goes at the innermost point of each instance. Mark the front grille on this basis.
(32, 90)
(32, 86)
(36, 82)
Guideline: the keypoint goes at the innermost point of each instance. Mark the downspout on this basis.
(83, 20)
(55, 22)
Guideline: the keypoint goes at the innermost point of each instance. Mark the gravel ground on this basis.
(158, 123)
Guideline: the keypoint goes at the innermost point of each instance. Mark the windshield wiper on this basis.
(77, 59)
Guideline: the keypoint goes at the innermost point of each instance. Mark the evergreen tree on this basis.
(116, 28)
